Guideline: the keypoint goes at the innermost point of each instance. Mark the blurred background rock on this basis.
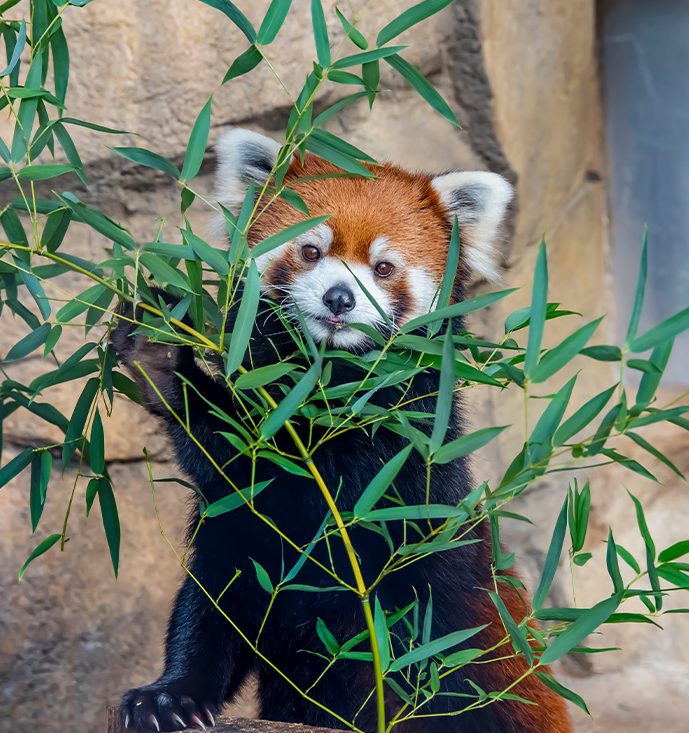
(527, 79)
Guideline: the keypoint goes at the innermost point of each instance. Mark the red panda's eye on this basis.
(384, 269)
(310, 253)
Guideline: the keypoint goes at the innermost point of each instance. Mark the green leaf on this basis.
(291, 232)
(559, 356)
(236, 499)
(41, 466)
(342, 146)
(290, 404)
(43, 172)
(450, 274)
(99, 222)
(415, 511)
(213, 257)
(613, 564)
(235, 15)
(141, 156)
(243, 64)
(15, 466)
(603, 353)
(431, 648)
(17, 51)
(197, 142)
(639, 294)
(650, 380)
(382, 635)
(320, 33)
(261, 376)
(456, 309)
(246, 317)
(628, 463)
(643, 443)
(111, 520)
(466, 444)
(273, 20)
(552, 558)
(44, 546)
(78, 420)
(539, 300)
(97, 445)
(263, 578)
(285, 463)
(327, 637)
(679, 549)
(576, 632)
(365, 57)
(543, 433)
(667, 329)
(27, 110)
(520, 641)
(29, 343)
(164, 273)
(320, 146)
(562, 691)
(354, 34)
(381, 481)
(58, 45)
(409, 18)
(445, 401)
(583, 416)
(628, 558)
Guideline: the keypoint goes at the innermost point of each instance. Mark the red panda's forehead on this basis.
(400, 206)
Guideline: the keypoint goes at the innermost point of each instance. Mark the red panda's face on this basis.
(380, 257)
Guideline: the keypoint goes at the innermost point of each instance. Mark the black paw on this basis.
(165, 707)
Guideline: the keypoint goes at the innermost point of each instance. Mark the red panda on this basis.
(387, 235)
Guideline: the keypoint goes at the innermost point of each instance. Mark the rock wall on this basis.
(522, 76)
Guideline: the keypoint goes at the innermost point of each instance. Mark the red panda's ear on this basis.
(244, 157)
(479, 200)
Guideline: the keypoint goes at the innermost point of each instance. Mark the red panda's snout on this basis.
(337, 291)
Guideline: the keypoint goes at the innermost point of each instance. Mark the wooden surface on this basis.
(232, 725)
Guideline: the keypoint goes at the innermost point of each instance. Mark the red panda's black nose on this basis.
(339, 299)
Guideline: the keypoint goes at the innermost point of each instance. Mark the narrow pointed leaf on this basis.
(273, 20)
(409, 18)
(44, 546)
(436, 646)
(235, 15)
(246, 317)
(539, 300)
(275, 240)
(197, 142)
(552, 558)
(381, 482)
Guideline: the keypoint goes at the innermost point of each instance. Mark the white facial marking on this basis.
(309, 287)
(424, 289)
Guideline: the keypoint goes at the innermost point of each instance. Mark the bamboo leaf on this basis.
(365, 57)
(554, 359)
(327, 637)
(466, 444)
(445, 400)
(320, 33)
(539, 300)
(562, 691)
(423, 87)
(290, 404)
(198, 140)
(287, 234)
(583, 416)
(577, 631)
(667, 329)
(42, 172)
(44, 546)
(273, 20)
(243, 64)
(263, 578)
(111, 520)
(382, 635)
(431, 648)
(246, 317)
(409, 18)
(147, 158)
(213, 257)
(236, 499)
(552, 558)
(520, 641)
(235, 15)
(29, 343)
(639, 294)
(354, 34)
(15, 466)
(381, 481)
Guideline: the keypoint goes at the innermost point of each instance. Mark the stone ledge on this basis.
(232, 725)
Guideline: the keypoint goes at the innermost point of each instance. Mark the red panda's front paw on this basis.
(165, 707)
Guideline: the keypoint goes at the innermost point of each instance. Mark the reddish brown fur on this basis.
(396, 203)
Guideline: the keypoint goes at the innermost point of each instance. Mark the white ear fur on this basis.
(244, 157)
(479, 199)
